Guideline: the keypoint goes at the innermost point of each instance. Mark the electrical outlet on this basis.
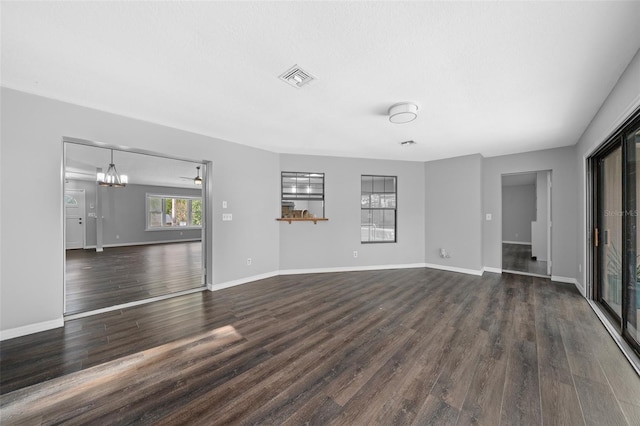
(580, 267)
(488, 216)
(355, 253)
(249, 261)
(117, 237)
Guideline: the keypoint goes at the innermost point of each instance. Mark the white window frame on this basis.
(162, 226)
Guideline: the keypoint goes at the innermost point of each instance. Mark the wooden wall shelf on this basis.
(315, 220)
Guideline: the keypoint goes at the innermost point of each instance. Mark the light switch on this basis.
(227, 216)
(224, 204)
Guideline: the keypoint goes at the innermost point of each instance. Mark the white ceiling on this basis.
(82, 162)
(489, 77)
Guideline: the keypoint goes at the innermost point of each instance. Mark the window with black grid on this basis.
(378, 209)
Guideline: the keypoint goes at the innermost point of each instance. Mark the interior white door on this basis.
(74, 212)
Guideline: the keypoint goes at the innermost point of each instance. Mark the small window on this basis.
(173, 212)
(70, 201)
(378, 221)
(302, 195)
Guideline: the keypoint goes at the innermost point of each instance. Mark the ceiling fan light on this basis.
(197, 180)
(403, 112)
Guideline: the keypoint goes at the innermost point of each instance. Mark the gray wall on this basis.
(453, 200)
(124, 214)
(564, 204)
(31, 133)
(518, 211)
(619, 105)
(331, 244)
(247, 178)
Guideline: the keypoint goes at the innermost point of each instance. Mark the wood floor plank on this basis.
(598, 403)
(413, 346)
(483, 400)
(631, 412)
(521, 396)
(117, 275)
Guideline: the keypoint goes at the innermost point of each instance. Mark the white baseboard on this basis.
(517, 242)
(350, 269)
(567, 280)
(245, 280)
(253, 278)
(31, 328)
(147, 243)
(455, 269)
(492, 270)
(581, 288)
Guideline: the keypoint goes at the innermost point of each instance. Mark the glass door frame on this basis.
(629, 214)
(206, 232)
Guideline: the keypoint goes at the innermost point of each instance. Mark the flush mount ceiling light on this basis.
(197, 180)
(112, 178)
(403, 112)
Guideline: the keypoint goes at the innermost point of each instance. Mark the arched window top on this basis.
(70, 201)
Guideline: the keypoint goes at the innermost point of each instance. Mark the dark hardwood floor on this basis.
(127, 274)
(413, 346)
(517, 258)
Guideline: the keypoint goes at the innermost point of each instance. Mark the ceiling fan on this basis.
(196, 180)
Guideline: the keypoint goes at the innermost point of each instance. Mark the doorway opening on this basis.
(133, 243)
(526, 223)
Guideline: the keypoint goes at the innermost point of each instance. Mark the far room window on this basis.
(378, 221)
(173, 212)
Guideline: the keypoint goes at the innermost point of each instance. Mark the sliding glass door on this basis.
(616, 171)
(609, 230)
(631, 298)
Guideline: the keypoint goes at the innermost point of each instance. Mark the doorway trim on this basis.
(207, 226)
(548, 217)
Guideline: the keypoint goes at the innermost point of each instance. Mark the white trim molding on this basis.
(568, 280)
(31, 328)
(477, 272)
(522, 243)
(581, 288)
(233, 283)
(245, 280)
(350, 269)
(492, 270)
(147, 243)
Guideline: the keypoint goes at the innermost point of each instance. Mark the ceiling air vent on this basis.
(296, 76)
(407, 143)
